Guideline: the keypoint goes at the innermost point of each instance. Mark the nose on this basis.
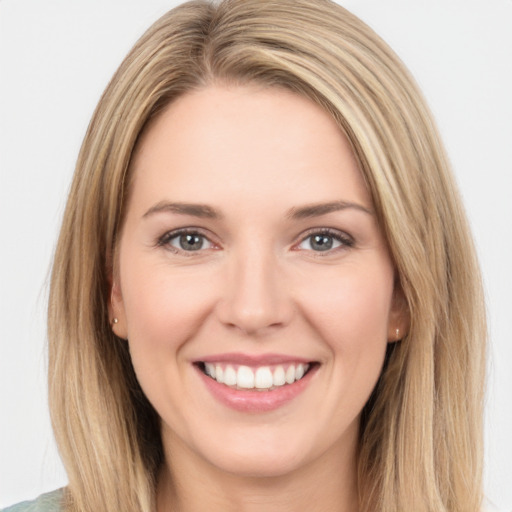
(256, 299)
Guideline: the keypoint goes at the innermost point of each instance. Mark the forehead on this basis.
(222, 144)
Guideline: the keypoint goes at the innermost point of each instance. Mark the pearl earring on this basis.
(115, 321)
(397, 333)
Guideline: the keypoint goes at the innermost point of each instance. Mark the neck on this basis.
(327, 484)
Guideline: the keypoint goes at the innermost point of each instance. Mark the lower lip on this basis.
(255, 401)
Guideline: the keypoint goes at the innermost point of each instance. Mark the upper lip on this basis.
(252, 359)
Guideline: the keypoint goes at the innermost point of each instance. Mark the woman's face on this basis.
(250, 255)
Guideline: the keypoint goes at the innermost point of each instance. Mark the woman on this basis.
(265, 294)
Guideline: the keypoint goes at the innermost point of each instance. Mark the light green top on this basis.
(49, 502)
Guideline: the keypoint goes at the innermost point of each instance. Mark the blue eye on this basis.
(186, 241)
(324, 241)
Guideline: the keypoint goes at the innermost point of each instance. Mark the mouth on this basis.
(256, 383)
(256, 378)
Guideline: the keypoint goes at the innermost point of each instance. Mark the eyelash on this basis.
(345, 240)
(164, 240)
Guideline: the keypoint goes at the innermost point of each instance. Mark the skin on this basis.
(257, 285)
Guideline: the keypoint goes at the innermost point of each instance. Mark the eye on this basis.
(325, 240)
(185, 241)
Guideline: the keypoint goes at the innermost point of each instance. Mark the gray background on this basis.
(57, 56)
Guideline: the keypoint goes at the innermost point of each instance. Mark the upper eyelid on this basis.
(325, 231)
(337, 233)
(187, 229)
(346, 242)
(173, 233)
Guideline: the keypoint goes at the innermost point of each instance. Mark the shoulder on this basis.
(50, 502)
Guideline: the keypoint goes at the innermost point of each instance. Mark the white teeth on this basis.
(245, 377)
(290, 375)
(219, 374)
(210, 369)
(230, 376)
(278, 378)
(261, 378)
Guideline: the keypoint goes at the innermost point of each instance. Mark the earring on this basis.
(114, 321)
(397, 333)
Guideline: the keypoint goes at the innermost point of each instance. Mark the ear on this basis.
(399, 316)
(116, 309)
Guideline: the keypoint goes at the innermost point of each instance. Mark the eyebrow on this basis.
(316, 210)
(195, 210)
(207, 212)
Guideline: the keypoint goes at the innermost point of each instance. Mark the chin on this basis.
(262, 451)
(259, 465)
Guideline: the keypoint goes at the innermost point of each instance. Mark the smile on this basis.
(255, 384)
(262, 378)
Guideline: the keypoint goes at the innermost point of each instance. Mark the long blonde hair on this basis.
(421, 441)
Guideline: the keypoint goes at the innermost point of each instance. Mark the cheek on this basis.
(164, 309)
(351, 312)
(352, 307)
(356, 330)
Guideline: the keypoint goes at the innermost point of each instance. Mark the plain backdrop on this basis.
(56, 57)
